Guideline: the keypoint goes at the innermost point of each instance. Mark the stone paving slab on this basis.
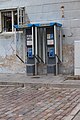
(31, 79)
(37, 103)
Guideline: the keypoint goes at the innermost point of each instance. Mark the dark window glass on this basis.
(7, 20)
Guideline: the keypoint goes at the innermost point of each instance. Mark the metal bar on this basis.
(39, 41)
(56, 65)
(15, 39)
(60, 44)
(44, 46)
(0, 23)
(36, 51)
(24, 16)
(37, 58)
(18, 15)
(55, 39)
(32, 40)
(20, 58)
(12, 21)
(24, 50)
(40, 58)
(36, 67)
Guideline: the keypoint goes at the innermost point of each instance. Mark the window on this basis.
(10, 18)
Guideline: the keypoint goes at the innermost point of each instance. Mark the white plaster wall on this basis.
(9, 63)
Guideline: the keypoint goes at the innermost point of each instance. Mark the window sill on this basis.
(7, 33)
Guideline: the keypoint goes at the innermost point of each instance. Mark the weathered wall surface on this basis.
(67, 66)
(8, 60)
(41, 11)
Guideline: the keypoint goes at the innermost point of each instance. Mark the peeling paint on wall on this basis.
(68, 59)
(9, 63)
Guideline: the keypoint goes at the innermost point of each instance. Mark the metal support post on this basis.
(18, 15)
(44, 45)
(36, 52)
(55, 39)
(60, 44)
(33, 41)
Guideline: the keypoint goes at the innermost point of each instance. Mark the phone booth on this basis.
(48, 44)
(42, 46)
(24, 35)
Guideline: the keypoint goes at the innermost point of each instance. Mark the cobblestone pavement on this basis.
(37, 103)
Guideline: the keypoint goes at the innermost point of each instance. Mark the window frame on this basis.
(19, 17)
(12, 16)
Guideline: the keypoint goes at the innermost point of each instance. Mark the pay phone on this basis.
(51, 53)
(30, 53)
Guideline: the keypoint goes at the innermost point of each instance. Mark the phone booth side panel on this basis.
(50, 51)
(30, 66)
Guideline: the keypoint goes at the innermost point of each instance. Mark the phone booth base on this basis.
(30, 69)
(42, 69)
(51, 69)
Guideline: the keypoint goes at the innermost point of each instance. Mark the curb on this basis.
(11, 84)
(22, 84)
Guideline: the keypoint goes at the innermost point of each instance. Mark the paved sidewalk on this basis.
(56, 81)
(23, 78)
